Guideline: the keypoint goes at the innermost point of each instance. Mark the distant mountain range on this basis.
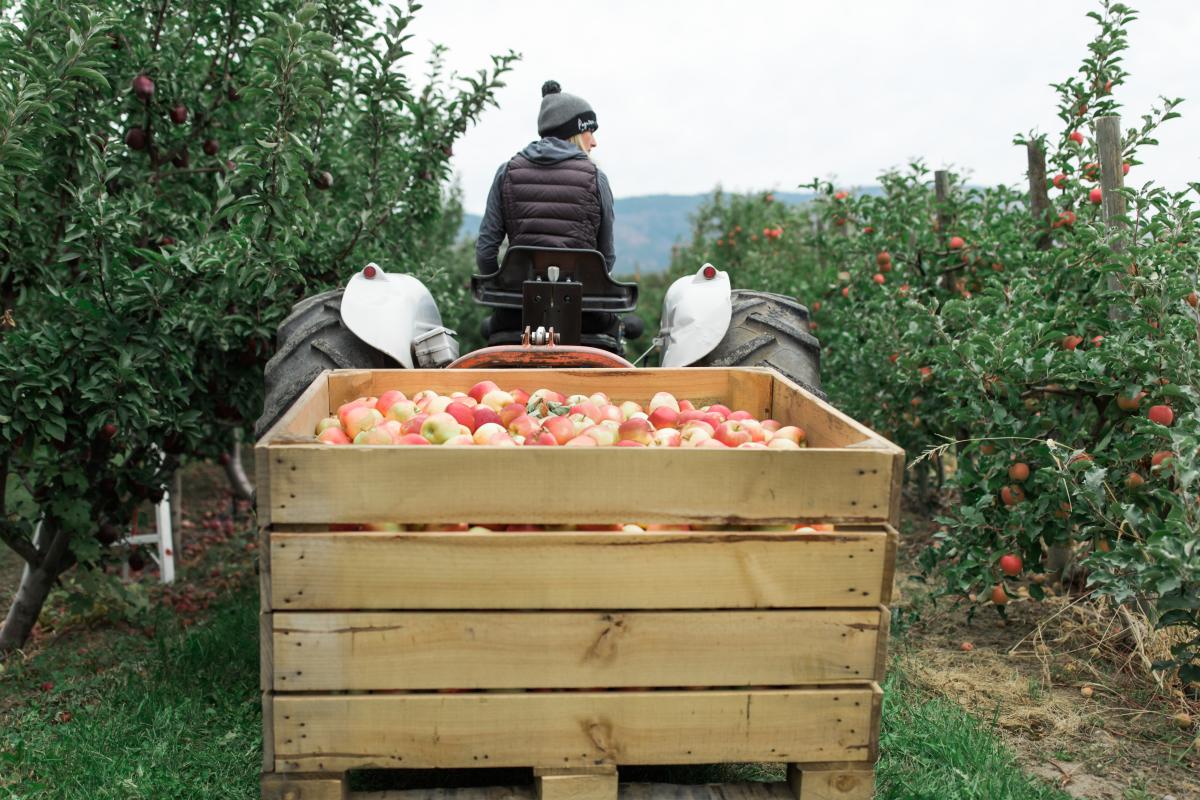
(647, 227)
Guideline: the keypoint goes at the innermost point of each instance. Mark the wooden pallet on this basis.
(576, 652)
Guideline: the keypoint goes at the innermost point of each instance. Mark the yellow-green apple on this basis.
(525, 425)
(629, 408)
(664, 417)
(583, 440)
(693, 435)
(732, 433)
(413, 424)
(392, 427)
(387, 398)
(511, 412)
(333, 436)
(481, 390)
(561, 428)
(437, 405)
(610, 424)
(498, 399)
(635, 429)
(412, 438)
(600, 399)
(601, 434)
(463, 413)
(576, 399)
(777, 443)
(667, 437)
(402, 410)
(462, 440)
(502, 440)
(487, 431)
(789, 432)
(581, 422)
(328, 422)
(360, 419)
(483, 415)
(439, 428)
(663, 400)
(373, 436)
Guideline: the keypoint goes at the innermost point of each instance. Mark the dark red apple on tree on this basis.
(1019, 472)
(211, 147)
(1163, 415)
(143, 87)
(137, 138)
(179, 113)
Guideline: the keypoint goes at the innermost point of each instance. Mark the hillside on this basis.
(647, 227)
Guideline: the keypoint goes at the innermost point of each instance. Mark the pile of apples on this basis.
(488, 415)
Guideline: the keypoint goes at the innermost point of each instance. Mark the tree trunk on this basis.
(36, 583)
(239, 482)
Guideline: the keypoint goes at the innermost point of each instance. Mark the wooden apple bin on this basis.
(569, 652)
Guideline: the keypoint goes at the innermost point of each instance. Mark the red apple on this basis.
(777, 443)
(361, 419)
(482, 415)
(1161, 457)
(611, 412)
(333, 436)
(463, 413)
(413, 424)
(1012, 495)
(732, 433)
(440, 427)
(462, 440)
(664, 417)
(1010, 565)
(878, 278)
(521, 396)
(561, 428)
(392, 427)
(1076, 137)
(582, 440)
(1130, 402)
(511, 412)
(328, 422)
(143, 87)
(1019, 471)
(412, 438)
(179, 113)
(712, 444)
(481, 389)
(210, 147)
(956, 243)
(588, 409)
(635, 429)
(720, 410)
(630, 443)
(386, 400)
(1060, 180)
(1163, 415)
(1096, 195)
(687, 405)
(525, 425)
(791, 433)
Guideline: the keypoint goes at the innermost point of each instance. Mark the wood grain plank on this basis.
(339, 732)
(623, 571)
(326, 484)
(330, 651)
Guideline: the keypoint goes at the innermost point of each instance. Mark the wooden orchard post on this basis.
(941, 192)
(1112, 180)
(1039, 199)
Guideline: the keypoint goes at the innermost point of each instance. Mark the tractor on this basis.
(551, 307)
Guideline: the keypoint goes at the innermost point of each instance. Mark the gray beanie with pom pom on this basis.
(563, 115)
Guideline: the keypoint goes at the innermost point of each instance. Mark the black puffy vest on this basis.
(551, 205)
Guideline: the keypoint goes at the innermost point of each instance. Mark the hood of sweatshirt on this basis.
(551, 151)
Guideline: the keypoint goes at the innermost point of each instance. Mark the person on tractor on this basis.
(551, 194)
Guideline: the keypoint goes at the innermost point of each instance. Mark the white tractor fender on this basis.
(696, 313)
(388, 311)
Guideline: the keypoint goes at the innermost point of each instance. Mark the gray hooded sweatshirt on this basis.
(492, 229)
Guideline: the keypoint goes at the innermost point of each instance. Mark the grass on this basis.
(176, 715)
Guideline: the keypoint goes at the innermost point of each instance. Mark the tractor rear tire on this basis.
(770, 330)
(312, 339)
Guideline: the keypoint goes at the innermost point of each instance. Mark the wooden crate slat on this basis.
(328, 651)
(327, 484)
(315, 733)
(571, 570)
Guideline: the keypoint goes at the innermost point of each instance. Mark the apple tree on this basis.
(175, 177)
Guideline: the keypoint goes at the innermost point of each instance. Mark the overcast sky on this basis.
(757, 95)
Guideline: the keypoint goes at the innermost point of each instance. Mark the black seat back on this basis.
(504, 287)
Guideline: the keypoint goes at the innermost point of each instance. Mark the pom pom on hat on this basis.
(550, 87)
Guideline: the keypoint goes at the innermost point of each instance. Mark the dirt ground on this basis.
(1029, 675)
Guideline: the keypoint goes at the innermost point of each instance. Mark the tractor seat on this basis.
(504, 287)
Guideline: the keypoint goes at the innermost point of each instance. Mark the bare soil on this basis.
(1029, 675)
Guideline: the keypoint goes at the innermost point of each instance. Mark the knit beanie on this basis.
(563, 115)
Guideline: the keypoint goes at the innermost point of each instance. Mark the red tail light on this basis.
(710, 272)
(369, 271)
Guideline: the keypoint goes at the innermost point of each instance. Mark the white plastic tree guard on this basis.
(161, 538)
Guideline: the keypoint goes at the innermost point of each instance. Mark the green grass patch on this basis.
(177, 715)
